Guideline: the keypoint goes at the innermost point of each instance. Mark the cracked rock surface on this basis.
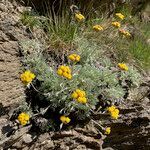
(11, 89)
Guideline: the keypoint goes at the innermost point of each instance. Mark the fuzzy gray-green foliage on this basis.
(93, 74)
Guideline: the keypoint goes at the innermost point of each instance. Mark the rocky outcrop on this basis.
(11, 89)
(132, 130)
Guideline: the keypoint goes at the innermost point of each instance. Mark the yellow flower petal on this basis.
(110, 109)
(115, 114)
(74, 95)
(69, 76)
(79, 17)
(98, 28)
(78, 58)
(108, 130)
(116, 24)
(71, 57)
(119, 15)
(27, 77)
(59, 72)
(123, 66)
(65, 119)
(23, 118)
(82, 100)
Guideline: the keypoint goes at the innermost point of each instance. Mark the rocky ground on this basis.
(131, 131)
(11, 90)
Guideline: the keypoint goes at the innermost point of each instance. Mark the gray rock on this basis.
(49, 144)
(27, 138)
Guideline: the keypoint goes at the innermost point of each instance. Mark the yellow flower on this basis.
(127, 33)
(65, 119)
(119, 15)
(108, 130)
(59, 72)
(74, 57)
(65, 74)
(82, 100)
(116, 24)
(68, 70)
(63, 68)
(74, 95)
(115, 114)
(79, 96)
(69, 76)
(27, 77)
(110, 109)
(124, 33)
(64, 71)
(71, 57)
(123, 66)
(78, 58)
(78, 90)
(80, 93)
(79, 17)
(98, 28)
(23, 118)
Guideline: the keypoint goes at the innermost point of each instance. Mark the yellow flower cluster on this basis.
(120, 16)
(98, 28)
(65, 119)
(114, 112)
(123, 66)
(116, 24)
(108, 130)
(27, 77)
(125, 33)
(64, 71)
(79, 96)
(74, 57)
(79, 17)
(23, 118)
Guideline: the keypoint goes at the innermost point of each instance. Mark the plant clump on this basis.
(85, 82)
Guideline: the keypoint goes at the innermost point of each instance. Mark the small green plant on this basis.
(30, 19)
(140, 52)
(60, 26)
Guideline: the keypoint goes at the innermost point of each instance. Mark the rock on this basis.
(11, 89)
(22, 9)
(27, 138)
(3, 122)
(64, 147)
(108, 148)
(42, 138)
(49, 144)
(81, 147)
(3, 8)
(132, 130)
